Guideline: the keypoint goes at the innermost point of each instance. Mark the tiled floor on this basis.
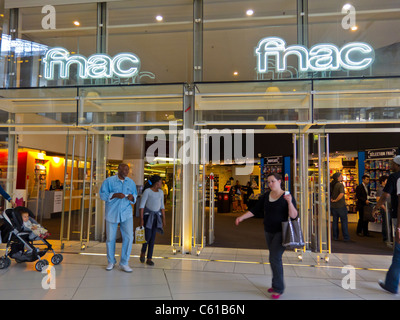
(216, 274)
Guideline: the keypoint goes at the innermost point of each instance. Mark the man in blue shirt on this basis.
(119, 193)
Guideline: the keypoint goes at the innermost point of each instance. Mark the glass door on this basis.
(319, 178)
(78, 193)
(311, 189)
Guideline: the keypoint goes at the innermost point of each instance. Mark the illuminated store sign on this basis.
(320, 57)
(97, 66)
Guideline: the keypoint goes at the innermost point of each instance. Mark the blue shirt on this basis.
(4, 194)
(118, 210)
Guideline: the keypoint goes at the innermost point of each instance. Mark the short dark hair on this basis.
(365, 176)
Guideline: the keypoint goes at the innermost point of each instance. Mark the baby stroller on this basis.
(20, 243)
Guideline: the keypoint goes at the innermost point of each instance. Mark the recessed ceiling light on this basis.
(250, 12)
(236, 73)
(159, 18)
(354, 28)
(77, 23)
(347, 6)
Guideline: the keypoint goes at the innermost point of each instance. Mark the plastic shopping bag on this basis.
(139, 235)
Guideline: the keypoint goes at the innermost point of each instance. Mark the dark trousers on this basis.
(362, 226)
(340, 213)
(150, 236)
(274, 242)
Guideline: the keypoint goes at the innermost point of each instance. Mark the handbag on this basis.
(140, 235)
(292, 236)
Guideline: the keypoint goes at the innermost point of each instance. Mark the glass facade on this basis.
(114, 71)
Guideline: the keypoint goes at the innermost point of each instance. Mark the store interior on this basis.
(40, 173)
(367, 154)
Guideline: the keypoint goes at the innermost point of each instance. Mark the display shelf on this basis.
(350, 179)
(376, 169)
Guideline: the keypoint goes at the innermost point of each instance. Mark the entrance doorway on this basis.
(63, 143)
(311, 111)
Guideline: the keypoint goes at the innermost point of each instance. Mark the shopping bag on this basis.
(139, 235)
(292, 236)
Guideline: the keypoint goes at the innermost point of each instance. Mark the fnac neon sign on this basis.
(320, 57)
(97, 66)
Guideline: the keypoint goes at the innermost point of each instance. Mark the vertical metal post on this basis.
(90, 190)
(175, 157)
(302, 22)
(12, 160)
(71, 186)
(64, 189)
(212, 213)
(101, 33)
(328, 199)
(84, 188)
(187, 170)
(198, 40)
(320, 211)
(203, 186)
(11, 80)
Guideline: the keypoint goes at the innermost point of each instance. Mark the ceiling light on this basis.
(236, 73)
(250, 12)
(347, 6)
(354, 28)
(159, 18)
(77, 23)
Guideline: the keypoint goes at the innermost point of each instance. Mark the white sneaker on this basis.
(125, 268)
(110, 266)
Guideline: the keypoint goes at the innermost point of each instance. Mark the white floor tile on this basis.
(240, 274)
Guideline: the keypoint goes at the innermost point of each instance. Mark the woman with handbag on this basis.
(276, 206)
(152, 215)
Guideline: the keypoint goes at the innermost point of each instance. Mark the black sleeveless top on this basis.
(274, 212)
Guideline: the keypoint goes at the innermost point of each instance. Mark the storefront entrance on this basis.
(62, 143)
(311, 111)
(77, 136)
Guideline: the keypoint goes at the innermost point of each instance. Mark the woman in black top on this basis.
(276, 206)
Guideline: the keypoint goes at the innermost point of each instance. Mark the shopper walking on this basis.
(362, 194)
(385, 216)
(119, 193)
(152, 216)
(390, 191)
(338, 207)
(392, 279)
(276, 207)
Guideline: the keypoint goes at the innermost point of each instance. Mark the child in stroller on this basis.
(21, 240)
(30, 225)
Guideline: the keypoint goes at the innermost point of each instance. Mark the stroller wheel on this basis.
(41, 264)
(56, 259)
(5, 262)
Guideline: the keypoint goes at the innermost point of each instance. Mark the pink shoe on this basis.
(274, 294)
